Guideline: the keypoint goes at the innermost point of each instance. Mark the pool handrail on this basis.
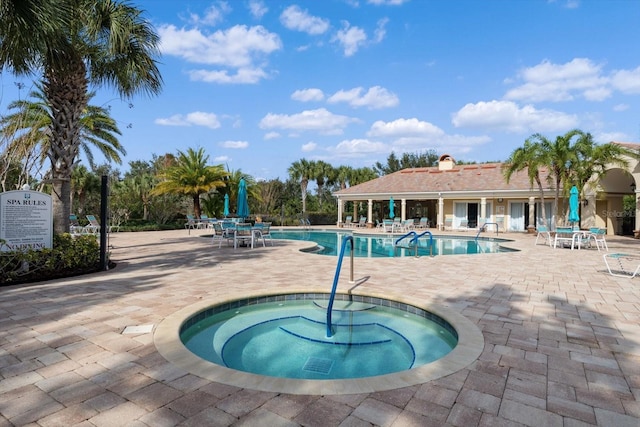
(335, 281)
(414, 241)
(424, 233)
(481, 229)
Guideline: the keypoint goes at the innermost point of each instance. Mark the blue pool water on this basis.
(287, 338)
(376, 245)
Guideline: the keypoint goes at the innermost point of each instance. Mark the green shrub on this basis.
(70, 256)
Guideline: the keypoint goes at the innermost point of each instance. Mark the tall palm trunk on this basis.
(66, 91)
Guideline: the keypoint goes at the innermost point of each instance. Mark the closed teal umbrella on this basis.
(574, 204)
(243, 203)
(226, 205)
(391, 207)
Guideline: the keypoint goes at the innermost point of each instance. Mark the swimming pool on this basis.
(376, 245)
(286, 337)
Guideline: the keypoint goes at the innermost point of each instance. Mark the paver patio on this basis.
(562, 339)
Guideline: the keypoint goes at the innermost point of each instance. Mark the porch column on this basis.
(370, 212)
(403, 209)
(637, 224)
(483, 210)
(440, 212)
(340, 207)
(532, 213)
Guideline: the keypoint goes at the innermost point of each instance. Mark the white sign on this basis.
(26, 220)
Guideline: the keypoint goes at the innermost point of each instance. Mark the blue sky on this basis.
(260, 84)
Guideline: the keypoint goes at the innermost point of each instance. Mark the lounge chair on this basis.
(464, 225)
(362, 222)
(543, 232)
(74, 226)
(94, 225)
(348, 221)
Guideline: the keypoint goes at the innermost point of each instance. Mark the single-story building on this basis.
(471, 195)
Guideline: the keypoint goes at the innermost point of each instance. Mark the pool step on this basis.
(345, 334)
(340, 305)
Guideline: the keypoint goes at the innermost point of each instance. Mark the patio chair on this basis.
(362, 222)
(597, 234)
(464, 225)
(543, 232)
(94, 225)
(348, 221)
(243, 234)
(448, 223)
(220, 234)
(263, 231)
(191, 223)
(423, 223)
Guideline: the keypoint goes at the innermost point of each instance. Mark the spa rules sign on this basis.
(26, 221)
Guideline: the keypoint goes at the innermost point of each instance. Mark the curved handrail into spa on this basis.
(335, 281)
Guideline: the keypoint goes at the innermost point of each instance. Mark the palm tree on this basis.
(560, 156)
(71, 44)
(324, 173)
(29, 129)
(592, 160)
(302, 170)
(530, 157)
(192, 177)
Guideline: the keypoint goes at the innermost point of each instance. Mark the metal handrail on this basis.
(481, 229)
(335, 281)
(415, 240)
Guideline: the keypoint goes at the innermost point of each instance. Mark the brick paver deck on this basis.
(562, 339)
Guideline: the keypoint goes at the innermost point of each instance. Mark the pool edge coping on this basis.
(167, 341)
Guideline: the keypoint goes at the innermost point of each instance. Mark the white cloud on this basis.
(196, 118)
(561, 82)
(309, 146)
(234, 144)
(258, 8)
(271, 135)
(375, 98)
(507, 116)
(212, 16)
(238, 48)
(242, 76)
(405, 128)
(380, 31)
(306, 95)
(222, 159)
(297, 19)
(627, 81)
(359, 146)
(350, 38)
(604, 137)
(320, 120)
(621, 107)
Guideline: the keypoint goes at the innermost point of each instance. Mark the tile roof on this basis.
(461, 178)
(484, 177)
